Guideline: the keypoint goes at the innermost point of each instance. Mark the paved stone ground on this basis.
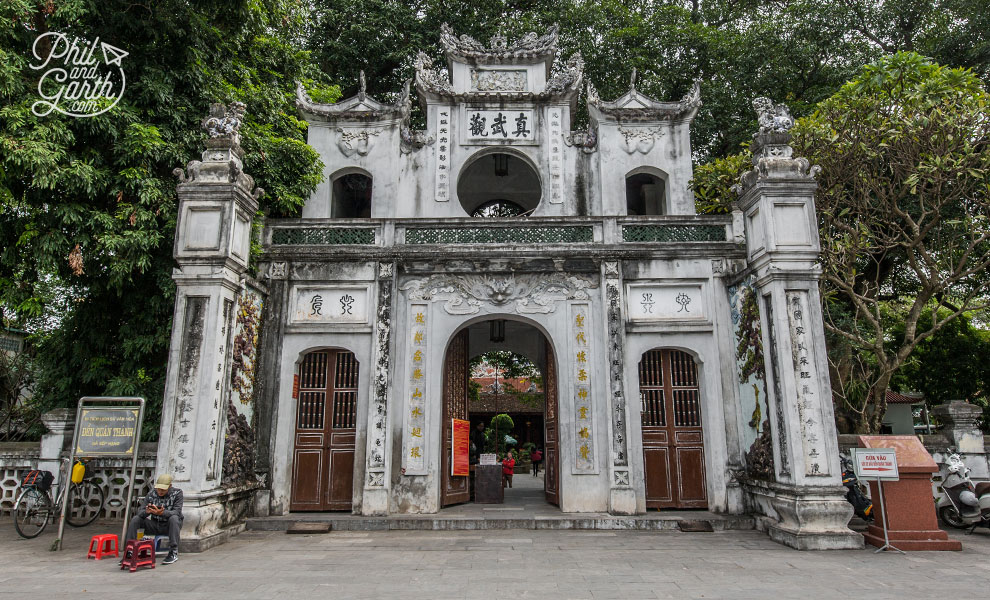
(409, 565)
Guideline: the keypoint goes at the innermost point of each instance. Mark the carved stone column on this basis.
(622, 496)
(376, 478)
(217, 201)
(777, 200)
(959, 425)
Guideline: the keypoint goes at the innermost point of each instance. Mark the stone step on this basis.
(305, 527)
(651, 523)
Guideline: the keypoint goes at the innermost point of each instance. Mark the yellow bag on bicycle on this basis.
(78, 471)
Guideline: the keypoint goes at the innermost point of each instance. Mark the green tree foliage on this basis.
(903, 206)
(904, 213)
(501, 426)
(799, 51)
(88, 205)
(950, 365)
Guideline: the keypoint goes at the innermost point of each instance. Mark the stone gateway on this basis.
(682, 355)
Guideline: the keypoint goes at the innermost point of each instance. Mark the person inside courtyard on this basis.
(477, 442)
(537, 458)
(508, 466)
(160, 515)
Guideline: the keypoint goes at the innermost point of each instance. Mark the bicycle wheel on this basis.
(85, 503)
(31, 513)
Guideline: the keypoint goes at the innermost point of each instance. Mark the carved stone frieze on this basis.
(640, 139)
(525, 294)
(620, 478)
(356, 141)
(498, 81)
(278, 270)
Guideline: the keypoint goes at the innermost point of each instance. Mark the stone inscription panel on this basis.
(414, 428)
(581, 373)
(330, 304)
(442, 181)
(651, 302)
(808, 390)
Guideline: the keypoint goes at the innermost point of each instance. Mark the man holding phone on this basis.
(161, 514)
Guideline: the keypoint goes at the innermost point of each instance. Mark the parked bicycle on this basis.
(36, 505)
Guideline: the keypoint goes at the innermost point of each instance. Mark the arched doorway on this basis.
(673, 449)
(323, 458)
(351, 195)
(478, 338)
(499, 184)
(646, 193)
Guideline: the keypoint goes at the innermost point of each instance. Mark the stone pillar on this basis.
(959, 426)
(217, 202)
(377, 477)
(622, 496)
(60, 423)
(777, 200)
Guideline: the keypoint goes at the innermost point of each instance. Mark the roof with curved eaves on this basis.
(529, 48)
(636, 106)
(360, 107)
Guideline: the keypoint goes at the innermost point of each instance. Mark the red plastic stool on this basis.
(138, 553)
(103, 545)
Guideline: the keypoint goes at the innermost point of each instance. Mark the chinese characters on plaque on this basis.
(498, 125)
(413, 447)
(580, 349)
(443, 147)
(806, 378)
(556, 156)
(330, 305)
(662, 302)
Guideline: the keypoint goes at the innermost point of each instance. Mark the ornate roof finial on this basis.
(362, 92)
(225, 121)
(632, 80)
(773, 118)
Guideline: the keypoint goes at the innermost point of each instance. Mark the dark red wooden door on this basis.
(323, 461)
(454, 490)
(673, 452)
(551, 454)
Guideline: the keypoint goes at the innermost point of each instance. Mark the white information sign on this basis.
(876, 463)
(488, 459)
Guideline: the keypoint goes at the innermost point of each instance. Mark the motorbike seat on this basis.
(982, 487)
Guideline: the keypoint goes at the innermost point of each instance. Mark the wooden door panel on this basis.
(454, 489)
(691, 488)
(673, 441)
(323, 461)
(551, 456)
(341, 479)
(656, 463)
(307, 479)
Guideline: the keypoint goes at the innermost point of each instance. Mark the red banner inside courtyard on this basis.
(460, 447)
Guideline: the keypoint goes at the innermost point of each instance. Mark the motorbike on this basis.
(862, 505)
(964, 504)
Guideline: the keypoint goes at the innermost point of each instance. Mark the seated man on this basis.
(161, 514)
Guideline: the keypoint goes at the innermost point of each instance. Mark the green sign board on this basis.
(108, 432)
